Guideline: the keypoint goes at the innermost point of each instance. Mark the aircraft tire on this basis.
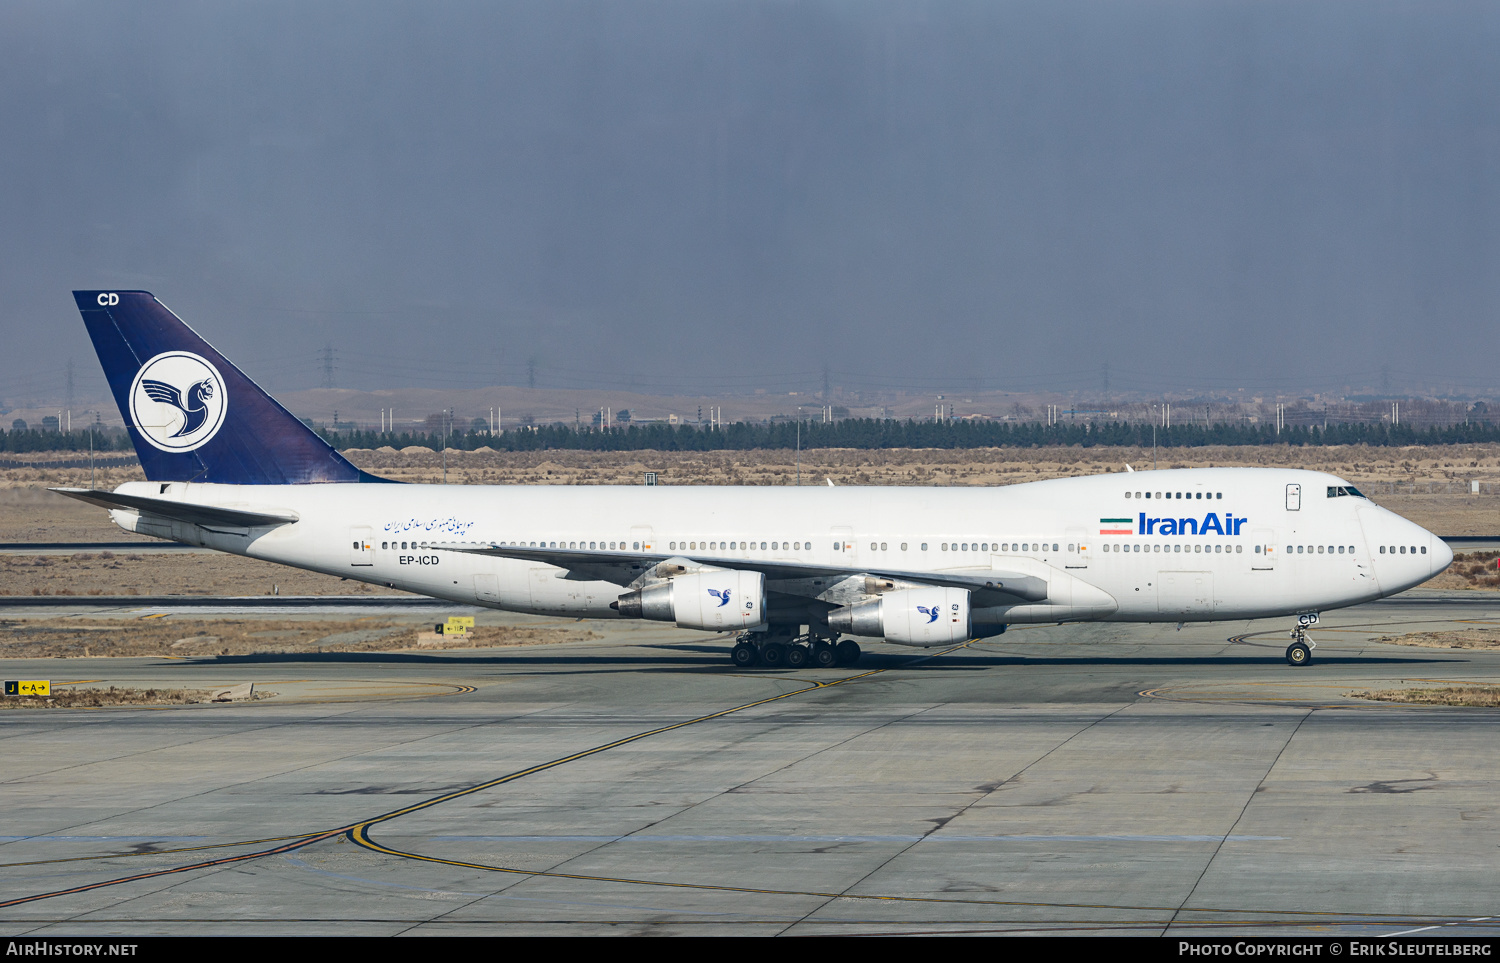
(744, 655)
(847, 652)
(797, 656)
(824, 656)
(773, 656)
(1298, 654)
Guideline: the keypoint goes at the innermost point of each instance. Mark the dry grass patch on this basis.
(1450, 639)
(1483, 696)
(500, 636)
(1433, 482)
(1470, 570)
(133, 574)
(85, 638)
(113, 696)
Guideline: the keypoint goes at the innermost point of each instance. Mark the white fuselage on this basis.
(1170, 546)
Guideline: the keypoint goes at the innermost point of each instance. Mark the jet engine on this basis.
(917, 616)
(718, 601)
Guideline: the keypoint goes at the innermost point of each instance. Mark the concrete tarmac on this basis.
(1076, 779)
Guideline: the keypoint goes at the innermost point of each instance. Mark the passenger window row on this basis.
(1198, 495)
(1402, 548)
(736, 546)
(874, 546)
(1176, 547)
(1321, 549)
(596, 546)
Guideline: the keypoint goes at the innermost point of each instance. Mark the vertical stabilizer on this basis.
(192, 415)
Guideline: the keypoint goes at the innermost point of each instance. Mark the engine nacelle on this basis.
(720, 601)
(919, 616)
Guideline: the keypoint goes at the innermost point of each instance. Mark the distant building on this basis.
(49, 423)
(18, 425)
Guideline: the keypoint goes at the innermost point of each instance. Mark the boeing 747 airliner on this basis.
(787, 571)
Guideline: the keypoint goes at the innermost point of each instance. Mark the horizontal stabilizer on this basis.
(1027, 587)
(208, 516)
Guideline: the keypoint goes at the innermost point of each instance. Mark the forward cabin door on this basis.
(362, 550)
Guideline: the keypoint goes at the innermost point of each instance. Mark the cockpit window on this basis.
(1338, 491)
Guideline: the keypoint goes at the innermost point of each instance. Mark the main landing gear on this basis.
(1300, 651)
(775, 652)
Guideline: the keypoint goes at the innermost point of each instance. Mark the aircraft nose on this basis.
(1442, 555)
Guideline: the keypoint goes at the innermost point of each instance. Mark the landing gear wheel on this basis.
(744, 655)
(796, 656)
(824, 656)
(847, 652)
(773, 655)
(1298, 654)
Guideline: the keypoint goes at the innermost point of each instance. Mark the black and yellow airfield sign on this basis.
(28, 687)
(456, 625)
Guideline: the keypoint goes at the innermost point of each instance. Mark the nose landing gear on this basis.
(1300, 651)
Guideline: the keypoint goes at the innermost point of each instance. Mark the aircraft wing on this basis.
(623, 568)
(208, 516)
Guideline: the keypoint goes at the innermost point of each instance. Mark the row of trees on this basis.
(865, 433)
(32, 439)
(872, 434)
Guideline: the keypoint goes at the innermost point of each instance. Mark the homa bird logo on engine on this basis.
(931, 611)
(723, 596)
(177, 401)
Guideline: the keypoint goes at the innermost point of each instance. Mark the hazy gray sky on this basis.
(682, 195)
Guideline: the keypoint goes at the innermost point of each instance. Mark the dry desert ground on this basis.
(1431, 486)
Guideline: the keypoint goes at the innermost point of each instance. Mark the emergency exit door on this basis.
(841, 540)
(1263, 552)
(1079, 547)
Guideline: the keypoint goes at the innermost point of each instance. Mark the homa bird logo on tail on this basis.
(194, 409)
(177, 402)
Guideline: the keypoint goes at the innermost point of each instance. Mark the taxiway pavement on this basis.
(1101, 778)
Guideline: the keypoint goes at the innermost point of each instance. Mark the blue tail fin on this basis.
(192, 415)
